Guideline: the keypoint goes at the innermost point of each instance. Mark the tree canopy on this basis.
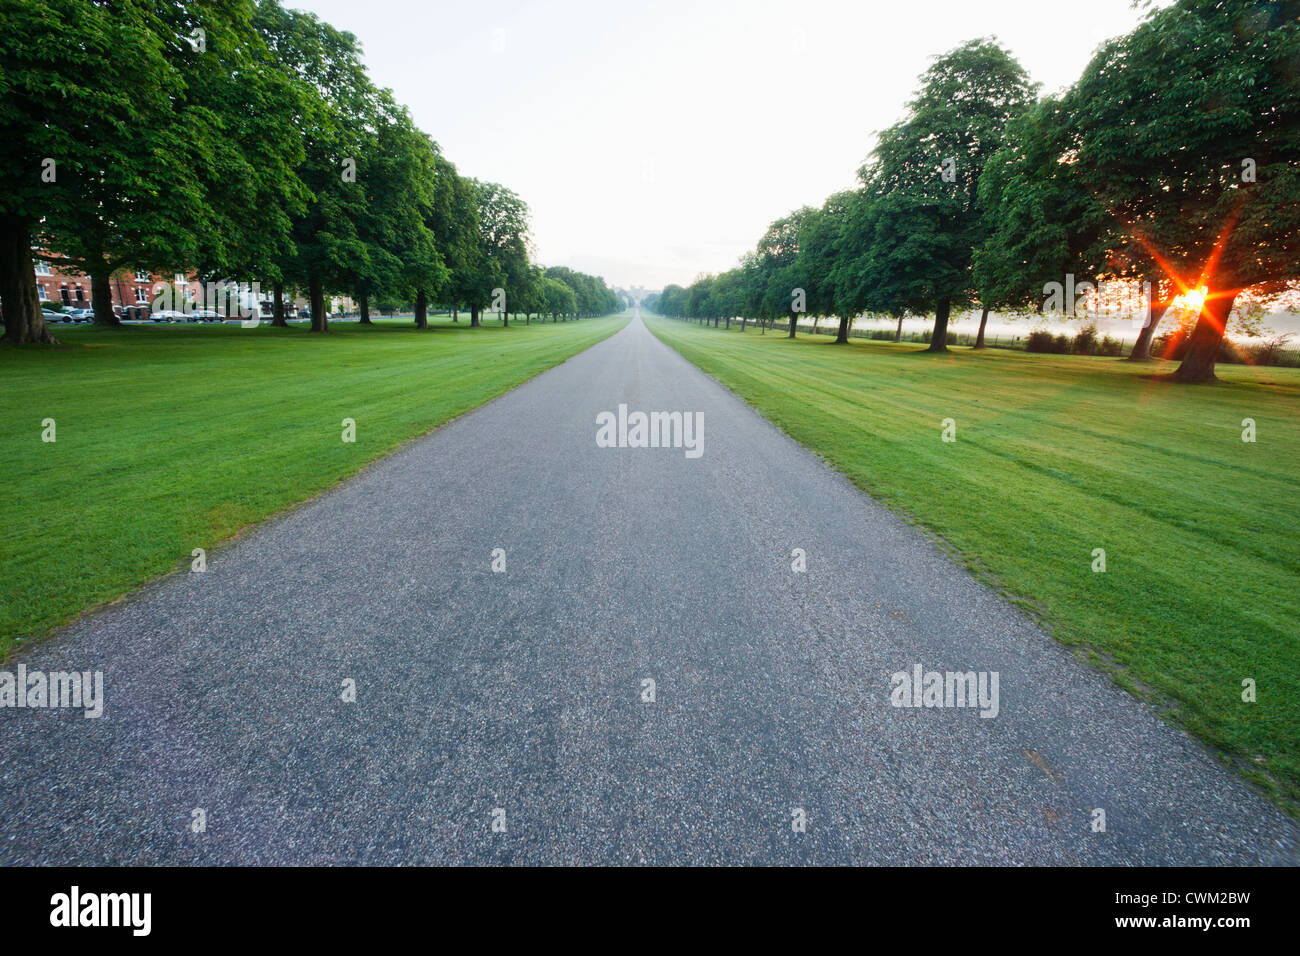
(237, 140)
(1170, 165)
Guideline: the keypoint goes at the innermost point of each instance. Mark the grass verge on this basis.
(1056, 456)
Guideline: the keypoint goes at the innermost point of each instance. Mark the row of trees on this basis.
(238, 139)
(1173, 161)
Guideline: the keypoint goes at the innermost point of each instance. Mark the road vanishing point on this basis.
(504, 716)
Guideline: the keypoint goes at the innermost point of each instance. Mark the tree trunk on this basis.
(1142, 347)
(842, 334)
(23, 319)
(1203, 345)
(898, 332)
(364, 302)
(794, 323)
(421, 310)
(505, 320)
(984, 321)
(939, 338)
(316, 295)
(455, 314)
(474, 323)
(101, 300)
(277, 306)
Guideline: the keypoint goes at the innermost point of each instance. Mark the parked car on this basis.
(49, 315)
(170, 315)
(82, 315)
(206, 315)
(135, 312)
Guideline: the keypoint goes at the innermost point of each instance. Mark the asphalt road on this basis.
(522, 690)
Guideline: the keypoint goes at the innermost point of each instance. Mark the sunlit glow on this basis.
(1192, 299)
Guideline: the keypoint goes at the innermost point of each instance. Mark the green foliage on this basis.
(146, 131)
(1170, 163)
(1166, 119)
(591, 296)
(341, 111)
(400, 179)
(500, 258)
(1040, 223)
(558, 297)
(923, 211)
(1186, 133)
(907, 239)
(235, 139)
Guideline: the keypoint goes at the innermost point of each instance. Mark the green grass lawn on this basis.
(1056, 456)
(172, 438)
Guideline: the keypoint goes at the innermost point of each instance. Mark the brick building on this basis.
(72, 289)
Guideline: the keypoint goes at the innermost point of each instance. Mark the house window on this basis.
(81, 296)
(65, 295)
(141, 294)
(141, 275)
(42, 267)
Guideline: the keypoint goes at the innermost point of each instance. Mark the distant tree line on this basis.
(1173, 161)
(237, 139)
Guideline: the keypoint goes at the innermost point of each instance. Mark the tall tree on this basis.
(923, 181)
(699, 299)
(453, 220)
(502, 259)
(558, 297)
(118, 178)
(728, 295)
(341, 112)
(1188, 133)
(860, 275)
(820, 233)
(238, 94)
(591, 295)
(776, 261)
(1041, 225)
(399, 178)
(671, 302)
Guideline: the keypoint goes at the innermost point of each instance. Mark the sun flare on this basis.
(1192, 299)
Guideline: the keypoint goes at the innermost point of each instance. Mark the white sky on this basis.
(656, 140)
